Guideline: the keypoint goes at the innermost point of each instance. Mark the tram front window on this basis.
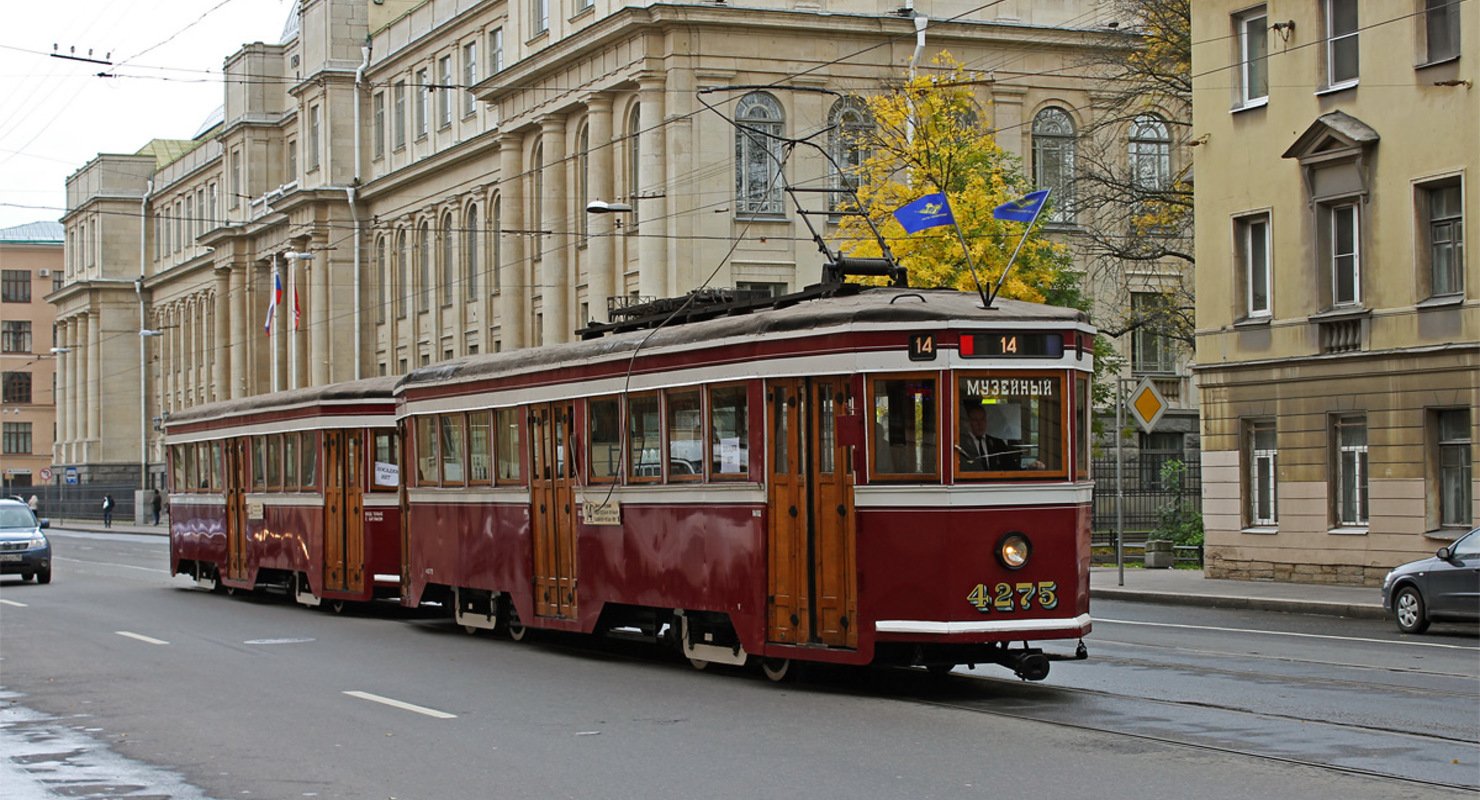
(1009, 422)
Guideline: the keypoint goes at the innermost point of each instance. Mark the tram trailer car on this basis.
(296, 490)
(803, 483)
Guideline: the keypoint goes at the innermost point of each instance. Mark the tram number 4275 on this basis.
(1011, 597)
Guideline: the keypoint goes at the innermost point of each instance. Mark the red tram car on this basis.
(296, 489)
(885, 475)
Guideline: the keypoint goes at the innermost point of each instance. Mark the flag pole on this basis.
(1019, 248)
(965, 250)
(272, 330)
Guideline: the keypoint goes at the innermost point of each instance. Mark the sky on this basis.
(56, 114)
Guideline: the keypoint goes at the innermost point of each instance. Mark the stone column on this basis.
(652, 246)
(601, 277)
(74, 423)
(237, 330)
(84, 371)
(555, 282)
(317, 316)
(515, 293)
(220, 376)
(61, 395)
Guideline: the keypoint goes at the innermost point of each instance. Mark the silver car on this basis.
(1445, 587)
(24, 549)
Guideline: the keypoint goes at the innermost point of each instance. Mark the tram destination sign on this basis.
(1012, 344)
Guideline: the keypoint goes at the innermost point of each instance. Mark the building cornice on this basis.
(419, 170)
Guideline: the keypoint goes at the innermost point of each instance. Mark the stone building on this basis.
(1338, 317)
(415, 177)
(30, 265)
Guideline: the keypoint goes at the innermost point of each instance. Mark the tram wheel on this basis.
(337, 606)
(471, 630)
(776, 669)
(516, 629)
(699, 664)
(230, 591)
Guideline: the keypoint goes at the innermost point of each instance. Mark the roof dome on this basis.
(290, 25)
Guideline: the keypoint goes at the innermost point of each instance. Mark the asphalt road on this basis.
(120, 681)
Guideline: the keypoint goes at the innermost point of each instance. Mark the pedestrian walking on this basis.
(33, 503)
(156, 502)
(107, 511)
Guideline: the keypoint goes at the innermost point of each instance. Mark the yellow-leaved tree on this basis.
(927, 136)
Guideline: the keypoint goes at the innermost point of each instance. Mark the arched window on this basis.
(471, 233)
(403, 274)
(424, 258)
(583, 181)
(849, 126)
(383, 274)
(1150, 154)
(758, 155)
(634, 161)
(537, 195)
(449, 260)
(1053, 160)
(496, 230)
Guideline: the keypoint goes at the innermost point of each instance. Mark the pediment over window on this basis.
(1334, 156)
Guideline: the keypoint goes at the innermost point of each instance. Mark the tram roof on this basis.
(377, 388)
(865, 307)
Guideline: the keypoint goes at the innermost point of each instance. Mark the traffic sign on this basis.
(1147, 405)
(45, 474)
(70, 476)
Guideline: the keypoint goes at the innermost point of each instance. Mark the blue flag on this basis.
(930, 211)
(1024, 209)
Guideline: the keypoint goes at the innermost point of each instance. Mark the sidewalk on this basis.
(1188, 587)
(96, 526)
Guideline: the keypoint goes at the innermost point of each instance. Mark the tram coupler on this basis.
(1030, 664)
(1080, 653)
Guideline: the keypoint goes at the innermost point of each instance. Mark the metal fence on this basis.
(1149, 495)
(83, 501)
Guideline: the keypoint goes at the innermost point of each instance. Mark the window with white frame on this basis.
(1261, 497)
(470, 77)
(1441, 28)
(444, 92)
(1341, 43)
(423, 103)
(1349, 435)
(1442, 235)
(758, 155)
(634, 164)
(1453, 458)
(399, 120)
(1150, 153)
(377, 103)
(539, 16)
(495, 50)
(1252, 30)
(1253, 253)
(1344, 246)
(849, 126)
(1151, 352)
(1053, 160)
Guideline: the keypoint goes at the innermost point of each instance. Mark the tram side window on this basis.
(177, 468)
(190, 473)
(1010, 422)
(275, 462)
(905, 431)
(729, 441)
(216, 483)
(605, 436)
(203, 466)
(308, 474)
(507, 446)
(1082, 424)
(259, 463)
(645, 433)
(387, 461)
(290, 462)
(685, 435)
(452, 449)
(479, 434)
(426, 451)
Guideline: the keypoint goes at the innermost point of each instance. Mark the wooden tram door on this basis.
(238, 480)
(344, 518)
(813, 579)
(552, 504)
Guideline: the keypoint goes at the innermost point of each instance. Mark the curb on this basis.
(1318, 607)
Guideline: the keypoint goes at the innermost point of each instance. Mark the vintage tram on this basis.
(805, 480)
(297, 490)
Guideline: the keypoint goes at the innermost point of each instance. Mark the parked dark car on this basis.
(1445, 587)
(24, 549)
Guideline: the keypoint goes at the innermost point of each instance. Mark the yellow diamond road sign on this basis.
(1147, 405)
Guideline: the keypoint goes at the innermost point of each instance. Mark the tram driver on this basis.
(980, 450)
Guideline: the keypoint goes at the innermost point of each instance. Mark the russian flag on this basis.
(273, 298)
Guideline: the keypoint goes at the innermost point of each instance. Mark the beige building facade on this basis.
(421, 194)
(30, 265)
(1338, 305)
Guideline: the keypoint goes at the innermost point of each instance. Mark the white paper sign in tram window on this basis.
(387, 474)
(729, 455)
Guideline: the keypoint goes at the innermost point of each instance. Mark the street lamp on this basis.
(604, 207)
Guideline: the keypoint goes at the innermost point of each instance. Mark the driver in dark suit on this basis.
(980, 450)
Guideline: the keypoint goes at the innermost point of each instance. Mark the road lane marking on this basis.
(109, 564)
(375, 698)
(141, 637)
(1285, 633)
(14, 603)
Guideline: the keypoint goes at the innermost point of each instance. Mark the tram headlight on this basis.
(1012, 551)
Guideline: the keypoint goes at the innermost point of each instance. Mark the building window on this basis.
(537, 205)
(236, 181)
(179, 231)
(198, 223)
(1261, 494)
(17, 438)
(1151, 352)
(1441, 24)
(1053, 160)
(471, 232)
(634, 163)
(496, 232)
(403, 276)
(540, 16)
(444, 92)
(215, 220)
(583, 181)
(1350, 437)
(1341, 43)
(423, 104)
(15, 286)
(849, 126)
(15, 336)
(315, 119)
(470, 77)
(1455, 487)
(449, 261)
(1157, 449)
(496, 50)
(292, 149)
(424, 261)
(1343, 244)
(399, 120)
(758, 155)
(1252, 247)
(16, 387)
(1150, 154)
(1442, 230)
(1252, 29)
(383, 271)
(378, 103)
